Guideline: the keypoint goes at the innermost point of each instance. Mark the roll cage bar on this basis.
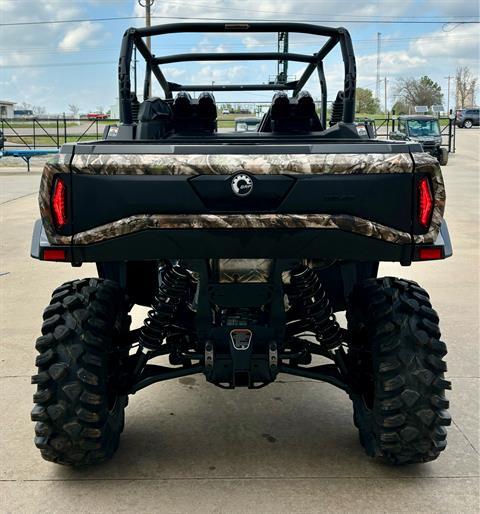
(133, 37)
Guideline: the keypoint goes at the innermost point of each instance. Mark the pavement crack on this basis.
(18, 198)
(15, 376)
(466, 438)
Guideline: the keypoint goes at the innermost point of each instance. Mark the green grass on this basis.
(38, 125)
(47, 141)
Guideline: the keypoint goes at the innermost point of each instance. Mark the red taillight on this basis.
(425, 202)
(59, 203)
(426, 254)
(53, 254)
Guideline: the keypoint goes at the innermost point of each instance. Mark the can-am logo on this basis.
(242, 184)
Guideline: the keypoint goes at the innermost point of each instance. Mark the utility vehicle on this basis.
(424, 130)
(244, 246)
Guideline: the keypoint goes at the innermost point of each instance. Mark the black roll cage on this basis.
(133, 37)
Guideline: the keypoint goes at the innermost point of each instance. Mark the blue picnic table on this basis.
(26, 155)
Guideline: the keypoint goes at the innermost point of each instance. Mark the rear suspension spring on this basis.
(310, 309)
(173, 293)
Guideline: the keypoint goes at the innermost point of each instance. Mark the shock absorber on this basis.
(310, 309)
(174, 290)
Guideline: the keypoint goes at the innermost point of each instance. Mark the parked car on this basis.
(225, 111)
(247, 124)
(97, 116)
(467, 118)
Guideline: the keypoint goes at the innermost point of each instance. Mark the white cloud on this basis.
(205, 45)
(454, 7)
(287, 9)
(224, 75)
(174, 73)
(462, 44)
(87, 33)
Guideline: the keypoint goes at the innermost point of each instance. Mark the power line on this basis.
(58, 64)
(242, 9)
(372, 41)
(428, 21)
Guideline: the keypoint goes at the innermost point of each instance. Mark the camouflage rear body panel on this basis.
(192, 165)
(271, 164)
(240, 221)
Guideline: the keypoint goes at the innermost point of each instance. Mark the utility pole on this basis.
(379, 43)
(148, 23)
(448, 94)
(386, 95)
(282, 65)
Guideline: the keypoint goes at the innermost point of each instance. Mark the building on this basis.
(22, 113)
(6, 109)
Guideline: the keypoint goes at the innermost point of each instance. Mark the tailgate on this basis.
(111, 194)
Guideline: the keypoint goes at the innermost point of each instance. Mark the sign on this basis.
(420, 109)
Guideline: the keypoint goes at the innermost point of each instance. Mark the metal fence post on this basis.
(33, 133)
(454, 136)
(64, 128)
(450, 122)
(58, 133)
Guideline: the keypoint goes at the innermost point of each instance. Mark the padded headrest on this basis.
(194, 115)
(294, 114)
(206, 106)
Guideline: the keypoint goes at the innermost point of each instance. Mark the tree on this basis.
(38, 110)
(74, 110)
(400, 108)
(366, 102)
(423, 91)
(466, 85)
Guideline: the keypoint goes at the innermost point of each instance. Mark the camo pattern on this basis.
(256, 164)
(271, 164)
(56, 164)
(426, 163)
(240, 221)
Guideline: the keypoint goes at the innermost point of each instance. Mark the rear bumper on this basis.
(238, 243)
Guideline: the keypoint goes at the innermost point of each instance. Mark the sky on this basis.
(55, 65)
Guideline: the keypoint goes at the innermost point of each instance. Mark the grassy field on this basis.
(39, 124)
(41, 141)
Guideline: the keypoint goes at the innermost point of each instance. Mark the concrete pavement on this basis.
(191, 447)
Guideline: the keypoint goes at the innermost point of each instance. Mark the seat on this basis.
(194, 116)
(154, 119)
(294, 115)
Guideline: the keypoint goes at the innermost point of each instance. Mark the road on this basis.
(290, 447)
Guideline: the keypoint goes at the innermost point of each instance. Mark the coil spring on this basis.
(173, 292)
(310, 309)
